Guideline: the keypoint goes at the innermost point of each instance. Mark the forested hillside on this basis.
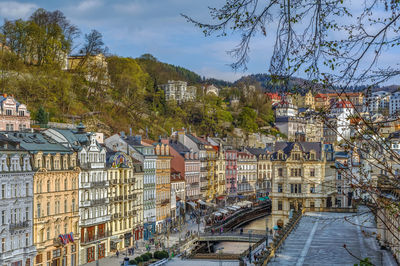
(120, 93)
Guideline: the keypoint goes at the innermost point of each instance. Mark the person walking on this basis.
(117, 254)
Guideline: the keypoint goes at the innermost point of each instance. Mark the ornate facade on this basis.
(124, 194)
(14, 116)
(55, 202)
(16, 220)
(299, 178)
(93, 191)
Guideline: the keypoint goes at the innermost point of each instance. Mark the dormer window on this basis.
(8, 112)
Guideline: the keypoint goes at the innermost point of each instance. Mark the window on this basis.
(295, 188)
(339, 176)
(3, 217)
(280, 205)
(21, 113)
(65, 184)
(73, 205)
(48, 233)
(26, 240)
(312, 188)
(8, 112)
(339, 189)
(57, 253)
(65, 206)
(280, 171)
(280, 190)
(48, 185)
(312, 172)
(26, 189)
(38, 207)
(48, 208)
(27, 213)
(3, 191)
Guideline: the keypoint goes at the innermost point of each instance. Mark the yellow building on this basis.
(309, 100)
(122, 196)
(220, 175)
(212, 183)
(300, 179)
(163, 185)
(55, 200)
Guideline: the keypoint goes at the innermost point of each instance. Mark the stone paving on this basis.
(319, 239)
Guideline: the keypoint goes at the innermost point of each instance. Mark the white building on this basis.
(285, 109)
(394, 104)
(377, 102)
(93, 189)
(342, 111)
(211, 90)
(16, 201)
(178, 91)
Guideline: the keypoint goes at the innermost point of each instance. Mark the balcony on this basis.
(165, 201)
(96, 165)
(90, 239)
(94, 221)
(99, 201)
(114, 182)
(19, 225)
(99, 184)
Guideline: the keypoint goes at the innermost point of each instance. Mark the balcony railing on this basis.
(117, 215)
(99, 184)
(19, 225)
(132, 196)
(87, 239)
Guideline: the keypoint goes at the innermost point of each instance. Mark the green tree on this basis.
(42, 116)
(247, 120)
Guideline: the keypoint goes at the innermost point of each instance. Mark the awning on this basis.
(223, 211)
(231, 208)
(201, 202)
(220, 197)
(210, 204)
(191, 204)
(261, 199)
(240, 196)
(276, 227)
(217, 214)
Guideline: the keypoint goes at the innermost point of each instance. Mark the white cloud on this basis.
(15, 10)
(88, 4)
(131, 8)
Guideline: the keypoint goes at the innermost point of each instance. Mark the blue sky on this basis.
(132, 28)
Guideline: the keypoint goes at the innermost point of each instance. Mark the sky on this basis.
(132, 28)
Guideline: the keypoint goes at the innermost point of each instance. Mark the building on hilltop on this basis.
(211, 90)
(16, 183)
(178, 91)
(14, 116)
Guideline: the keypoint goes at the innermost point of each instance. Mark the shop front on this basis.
(127, 239)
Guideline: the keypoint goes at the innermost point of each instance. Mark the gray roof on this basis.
(179, 147)
(35, 142)
(258, 151)
(306, 147)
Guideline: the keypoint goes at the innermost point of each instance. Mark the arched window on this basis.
(65, 184)
(48, 185)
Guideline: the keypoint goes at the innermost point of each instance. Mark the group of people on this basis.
(221, 230)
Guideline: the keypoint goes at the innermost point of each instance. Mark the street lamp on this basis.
(97, 260)
(250, 231)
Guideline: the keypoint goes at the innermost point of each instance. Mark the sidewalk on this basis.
(112, 260)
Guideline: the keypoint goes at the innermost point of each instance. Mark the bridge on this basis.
(233, 236)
